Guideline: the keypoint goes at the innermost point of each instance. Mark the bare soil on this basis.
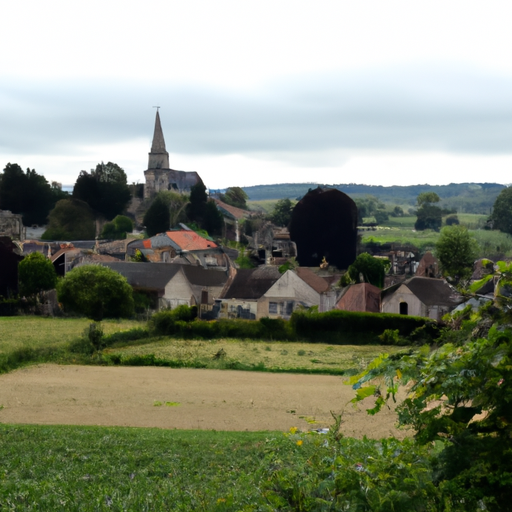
(184, 399)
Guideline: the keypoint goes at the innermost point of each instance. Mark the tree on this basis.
(71, 219)
(96, 292)
(104, 189)
(36, 274)
(456, 250)
(157, 219)
(427, 198)
(367, 269)
(282, 213)
(203, 211)
(458, 400)
(26, 193)
(429, 216)
(118, 228)
(502, 211)
(235, 196)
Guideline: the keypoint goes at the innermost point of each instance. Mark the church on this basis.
(159, 176)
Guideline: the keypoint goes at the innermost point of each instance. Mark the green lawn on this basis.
(268, 356)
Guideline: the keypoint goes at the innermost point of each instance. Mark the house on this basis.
(242, 296)
(11, 225)
(170, 284)
(272, 245)
(181, 246)
(294, 289)
(233, 218)
(428, 266)
(420, 296)
(360, 297)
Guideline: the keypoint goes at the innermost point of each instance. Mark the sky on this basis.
(260, 92)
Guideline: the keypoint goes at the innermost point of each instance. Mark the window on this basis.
(404, 308)
(272, 308)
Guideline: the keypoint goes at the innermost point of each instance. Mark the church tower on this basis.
(159, 176)
(158, 157)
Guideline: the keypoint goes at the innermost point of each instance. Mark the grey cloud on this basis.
(418, 107)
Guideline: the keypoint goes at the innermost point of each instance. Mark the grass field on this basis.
(271, 356)
(91, 469)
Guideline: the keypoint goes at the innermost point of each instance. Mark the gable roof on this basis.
(360, 297)
(430, 291)
(148, 276)
(318, 284)
(231, 211)
(252, 283)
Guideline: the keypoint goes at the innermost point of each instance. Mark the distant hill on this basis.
(464, 197)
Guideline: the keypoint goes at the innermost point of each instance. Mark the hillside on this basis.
(463, 197)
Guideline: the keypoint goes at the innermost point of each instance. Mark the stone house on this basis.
(11, 225)
(171, 285)
(420, 296)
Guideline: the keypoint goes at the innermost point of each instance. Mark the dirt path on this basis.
(196, 399)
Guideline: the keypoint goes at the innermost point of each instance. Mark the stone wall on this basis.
(11, 225)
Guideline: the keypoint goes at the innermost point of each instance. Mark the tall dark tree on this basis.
(157, 219)
(502, 211)
(429, 216)
(26, 193)
(71, 219)
(104, 189)
(282, 213)
(203, 211)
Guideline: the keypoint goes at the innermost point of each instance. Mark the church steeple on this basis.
(158, 157)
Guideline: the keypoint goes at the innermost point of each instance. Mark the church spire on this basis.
(158, 157)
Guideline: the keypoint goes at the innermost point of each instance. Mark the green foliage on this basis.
(331, 472)
(367, 269)
(27, 193)
(36, 274)
(203, 211)
(428, 217)
(282, 212)
(427, 198)
(157, 219)
(452, 220)
(104, 189)
(502, 211)
(118, 228)
(96, 292)
(235, 196)
(459, 397)
(351, 327)
(457, 251)
(397, 212)
(71, 219)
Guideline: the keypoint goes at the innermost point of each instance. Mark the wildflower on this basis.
(299, 442)
(293, 430)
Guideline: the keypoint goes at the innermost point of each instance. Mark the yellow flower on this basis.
(293, 430)
(299, 442)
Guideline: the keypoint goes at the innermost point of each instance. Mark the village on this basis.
(181, 266)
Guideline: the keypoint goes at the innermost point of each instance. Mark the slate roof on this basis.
(253, 283)
(148, 276)
(430, 291)
(155, 276)
(318, 284)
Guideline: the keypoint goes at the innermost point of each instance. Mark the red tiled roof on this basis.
(190, 240)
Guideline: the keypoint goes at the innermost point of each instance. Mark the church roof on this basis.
(158, 157)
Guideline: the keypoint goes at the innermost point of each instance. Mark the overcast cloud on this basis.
(327, 118)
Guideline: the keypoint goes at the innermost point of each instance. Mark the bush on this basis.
(349, 327)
